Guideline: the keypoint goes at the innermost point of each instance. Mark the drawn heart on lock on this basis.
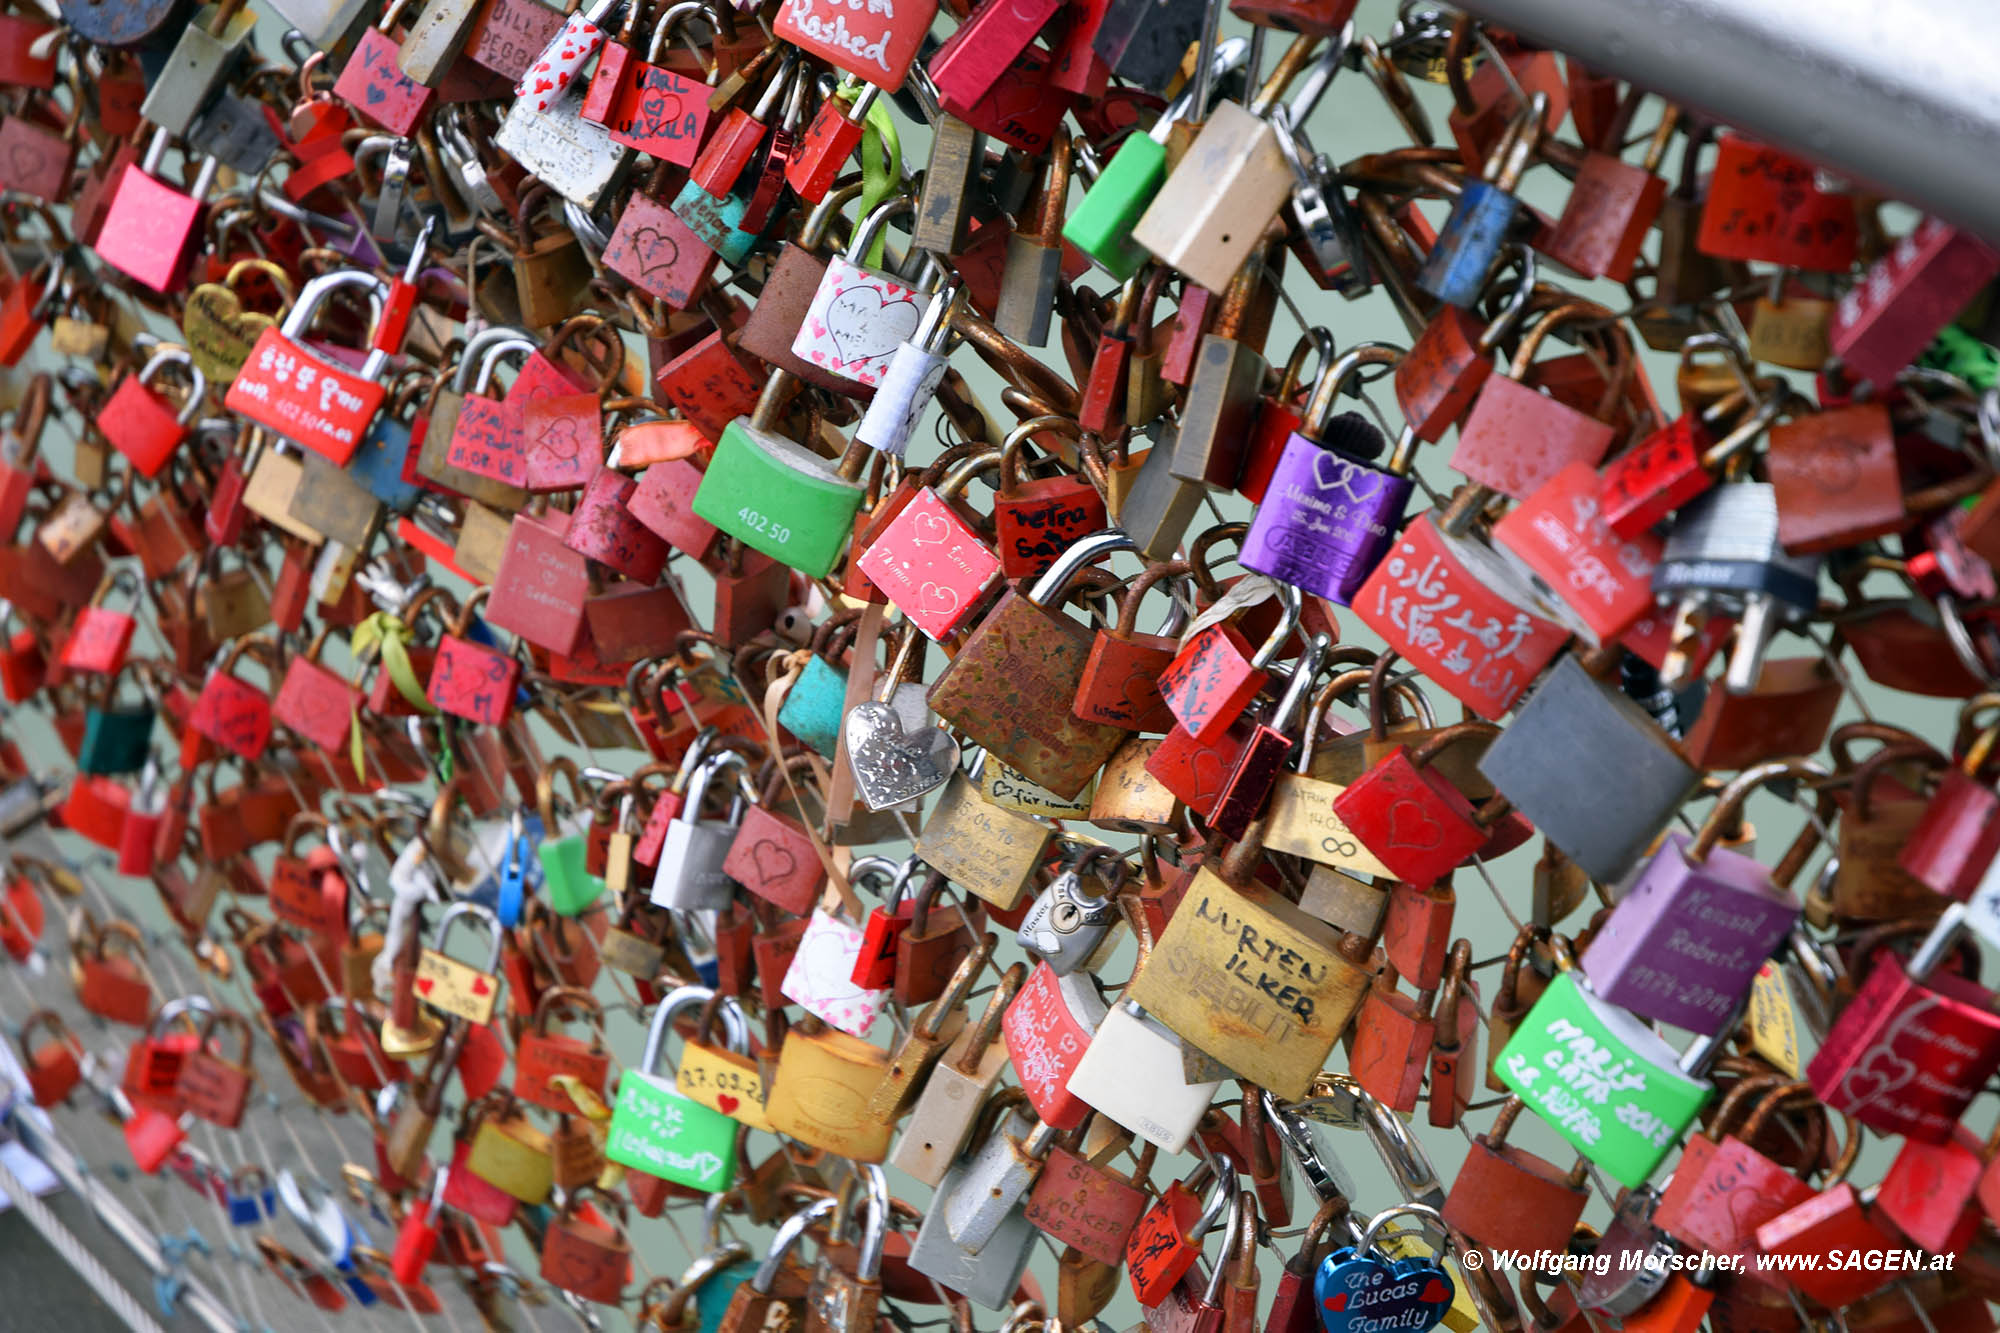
(892, 766)
(937, 600)
(865, 325)
(24, 161)
(727, 1102)
(772, 862)
(647, 245)
(424, 985)
(1410, 825)
(929, 530)
(561, 440)
(1206, 769)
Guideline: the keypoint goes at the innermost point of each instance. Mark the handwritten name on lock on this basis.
(1260, 980)
(1451, 626)
(456, 988)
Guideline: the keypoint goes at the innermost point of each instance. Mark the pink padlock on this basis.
(1559, 532)
(930, 562)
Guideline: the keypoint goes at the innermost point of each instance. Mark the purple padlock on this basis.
(1327, 518)
(1694, 925)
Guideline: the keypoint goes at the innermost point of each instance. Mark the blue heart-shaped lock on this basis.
(1359, 1290)
(1366, 1293)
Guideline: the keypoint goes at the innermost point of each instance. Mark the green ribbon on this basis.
(881, 164)
(386, 636)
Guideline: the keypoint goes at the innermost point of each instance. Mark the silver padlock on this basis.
(435, 40)
(997, 1177)
(1066, 924)
(988, 1278)
(690, 876)
(1722, 556)
(916, 368)
(203, 57)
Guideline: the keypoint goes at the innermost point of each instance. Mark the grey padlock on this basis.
(1591, 770)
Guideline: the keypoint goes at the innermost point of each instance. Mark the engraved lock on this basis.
(1327, 517)
(1696, 922)
(1875, 1064)
(659, 1130)
(777, 496)
(1066, 925)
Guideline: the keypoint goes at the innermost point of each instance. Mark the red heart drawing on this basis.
(772, 861)
(1337, 1301)
(481, 986)
(543, 85)
(424, 985)
(727, 1103)
(1436, 1293)
(1410, 825)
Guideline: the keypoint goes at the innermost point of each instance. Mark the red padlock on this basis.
(113, 984)
(152, 1137)
(211, 1085)
(144, 426)
(55, 1066)
(1410, 815)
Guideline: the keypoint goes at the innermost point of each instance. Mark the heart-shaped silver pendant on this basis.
(892, 766)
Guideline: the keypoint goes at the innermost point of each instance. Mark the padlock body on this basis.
(1325, 522)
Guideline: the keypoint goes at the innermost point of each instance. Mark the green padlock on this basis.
(655, 1129)
(115, 740)
(566, 876)
(777, 496)
(1102, 224)
(1604, 1080)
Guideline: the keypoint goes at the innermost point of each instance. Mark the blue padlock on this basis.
(1357, 1288)
(1472, 237)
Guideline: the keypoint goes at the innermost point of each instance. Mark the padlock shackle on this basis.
(956, 989)
(478, 912)
(1730, 803)
(1047, 589)
(478, 345)
(789, 1233)
(1333, 379)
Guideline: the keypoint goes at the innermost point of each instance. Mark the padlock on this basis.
(956, 1081)
(1359, 1283)
(1471, 241)
(1675, 906)
(777, 496)
(658, 1130)
(1657, 1095)
(150, 227)
(989, 1278)
(1235, 158)
(54, 1066)
(821, 976)
(1066, 924)
(456, 988)
(302, 396)
(1864, 1067)
(112, 983)
(541, 1055)
(1413, 818)
(590, 1258)
(1723, 555)
(211, 1085)
(691, 874)
(821, 1090)
(757, 1303)
(143, 426)
(1034, 258)
(1834, 476)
